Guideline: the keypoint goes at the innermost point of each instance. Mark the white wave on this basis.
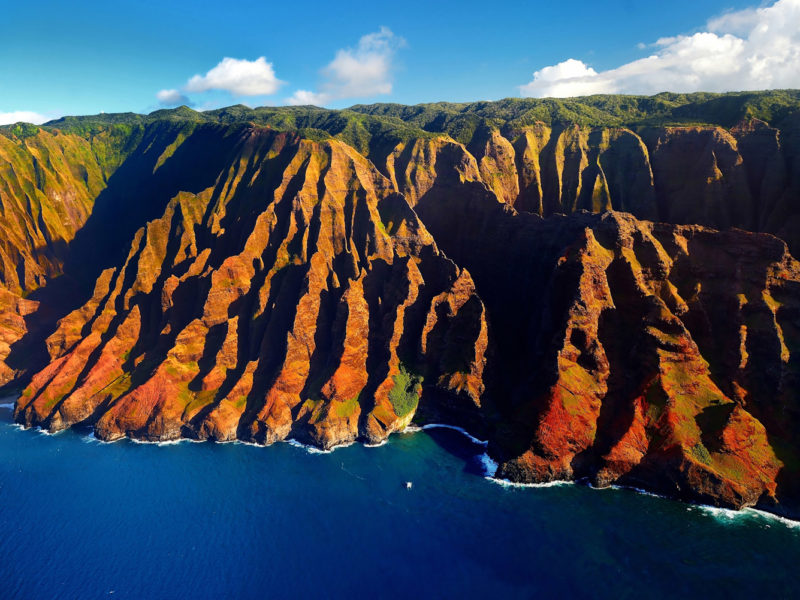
(41, 431)
(768, 516)
(7, 404)
(631, 488)
(378, 445)
(179, 441)
(459, 429)
(489, 465)
(314, 450)
(411, 429)
(241, 443)
(91, 437)
(514, 484)
(725, 515)
(163, 443)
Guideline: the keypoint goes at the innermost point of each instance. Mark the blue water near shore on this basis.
(83, 519)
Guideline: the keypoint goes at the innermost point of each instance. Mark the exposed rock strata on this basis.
(652, 355)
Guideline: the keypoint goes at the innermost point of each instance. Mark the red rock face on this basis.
(302, 291)
(633, 353)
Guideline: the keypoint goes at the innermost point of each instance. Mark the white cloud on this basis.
(569, 78)
(356, 73)
(240, 77)
(738, 22)
(26, 116)
(172, 98)
(744, 50)
(303, 97)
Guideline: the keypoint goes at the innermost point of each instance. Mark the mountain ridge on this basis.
(260, 281)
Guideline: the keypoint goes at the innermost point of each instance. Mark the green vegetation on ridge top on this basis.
(376, 128)
(602, 110)
(367, 133)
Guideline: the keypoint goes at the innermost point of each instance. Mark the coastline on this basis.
(726, 515)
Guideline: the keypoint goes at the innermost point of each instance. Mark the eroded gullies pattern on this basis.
(308, 291)
(300, 295)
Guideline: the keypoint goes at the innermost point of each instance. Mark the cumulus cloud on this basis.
(358, 72)
(26, 116)
(743, 50)
(240, 77)
(303, 97)
(172, 98)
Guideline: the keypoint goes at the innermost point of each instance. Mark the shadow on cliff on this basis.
(137, 192)
(456, 444)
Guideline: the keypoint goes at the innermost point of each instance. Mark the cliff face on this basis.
(256, 284)
(48, 184)
(13, 328)
(658, 356)
(69, 205)
(747, 177)
(298, 295)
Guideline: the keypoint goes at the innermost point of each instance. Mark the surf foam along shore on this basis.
(461, 430)
(722, 515)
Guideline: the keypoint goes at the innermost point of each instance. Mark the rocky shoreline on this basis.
(301, 288)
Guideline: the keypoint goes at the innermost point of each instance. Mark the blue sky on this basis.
(85, 57)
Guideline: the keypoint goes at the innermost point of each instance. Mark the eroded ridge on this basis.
(628, 352)
(299, 296)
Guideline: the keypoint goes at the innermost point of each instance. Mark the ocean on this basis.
(85, 519)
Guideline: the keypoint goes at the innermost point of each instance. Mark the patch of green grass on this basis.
(197, 400)
(405, 393)
(23, 130)
(701, 453)
(346, 408)
(52, 402)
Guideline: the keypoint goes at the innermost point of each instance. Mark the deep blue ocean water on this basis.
(83, 519)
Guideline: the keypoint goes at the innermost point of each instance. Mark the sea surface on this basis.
(84, 519)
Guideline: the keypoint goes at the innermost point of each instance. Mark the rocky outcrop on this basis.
(13, 310)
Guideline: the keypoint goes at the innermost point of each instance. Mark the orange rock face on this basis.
(746, 177)
(300, 295)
